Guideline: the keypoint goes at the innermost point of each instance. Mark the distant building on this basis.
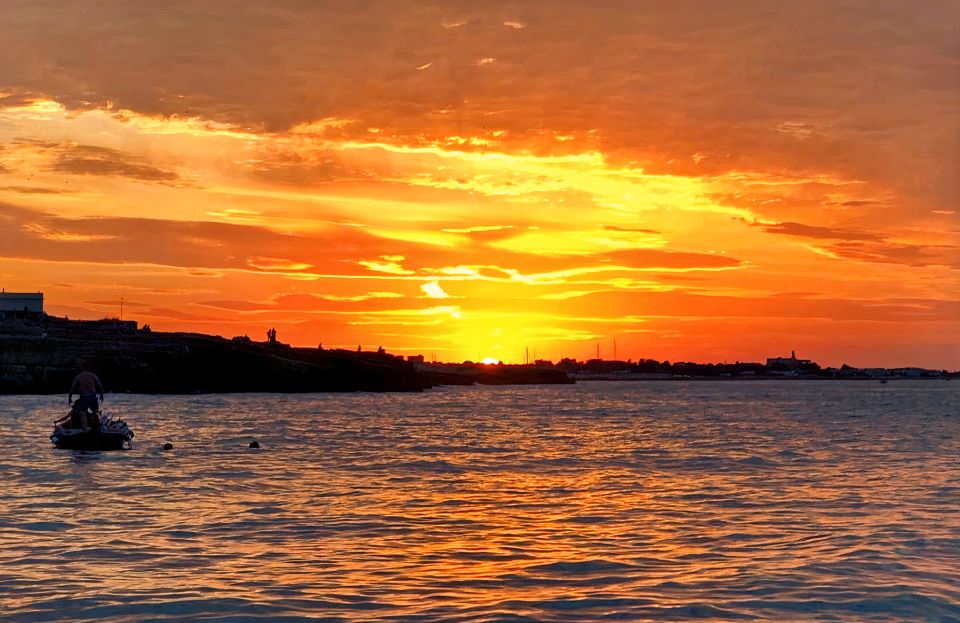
(786, 363)
(106, 325)
(914, 373)
(22, 304)
(415, 358)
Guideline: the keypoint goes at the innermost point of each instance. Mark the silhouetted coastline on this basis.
(40, 356)
(775, 368)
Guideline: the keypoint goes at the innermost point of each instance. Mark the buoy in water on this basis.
(168, 446)
(254, 444)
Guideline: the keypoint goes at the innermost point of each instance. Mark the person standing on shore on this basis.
(88, 388)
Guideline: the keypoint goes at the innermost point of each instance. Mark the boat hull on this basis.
(90, 441)
(103, 433)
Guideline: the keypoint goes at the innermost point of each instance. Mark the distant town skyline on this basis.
(697, 182)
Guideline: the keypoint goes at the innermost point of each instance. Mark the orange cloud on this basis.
(565, 176)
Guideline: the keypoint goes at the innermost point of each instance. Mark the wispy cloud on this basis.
(812, 231)
(432, 289)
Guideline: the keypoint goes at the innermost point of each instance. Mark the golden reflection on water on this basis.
(649, 502)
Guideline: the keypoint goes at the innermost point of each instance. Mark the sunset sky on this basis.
(697, 180)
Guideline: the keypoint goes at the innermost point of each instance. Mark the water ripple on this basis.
(595, 502)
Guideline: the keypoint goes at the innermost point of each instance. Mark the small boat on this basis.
(111, 434)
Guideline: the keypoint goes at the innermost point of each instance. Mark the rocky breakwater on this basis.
(44, 359)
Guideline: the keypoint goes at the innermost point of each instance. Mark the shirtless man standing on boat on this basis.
(87, 386)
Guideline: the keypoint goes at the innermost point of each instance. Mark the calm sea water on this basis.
(787, 501)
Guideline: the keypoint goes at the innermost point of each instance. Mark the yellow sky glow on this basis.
(480, 197)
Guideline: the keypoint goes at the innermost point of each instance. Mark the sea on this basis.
(783, 501)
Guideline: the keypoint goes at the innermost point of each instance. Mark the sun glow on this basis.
(489, 361)
(658, 219)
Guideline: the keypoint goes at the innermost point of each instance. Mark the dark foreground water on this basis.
(792, 501)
